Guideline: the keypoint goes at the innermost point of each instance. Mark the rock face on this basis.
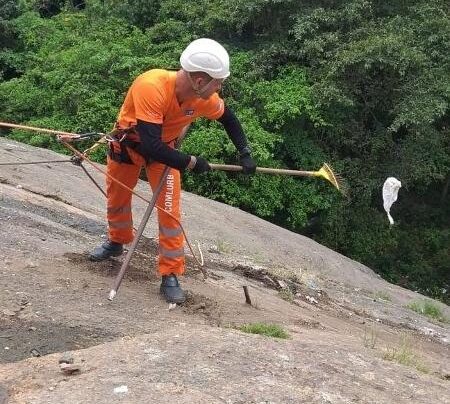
(351, 338)
(207, 365)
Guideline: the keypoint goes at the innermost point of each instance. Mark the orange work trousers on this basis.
(171, 258)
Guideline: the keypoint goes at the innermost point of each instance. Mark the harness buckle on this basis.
(76, 160)
(120, 136)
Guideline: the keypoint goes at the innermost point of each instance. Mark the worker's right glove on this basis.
(201, 166)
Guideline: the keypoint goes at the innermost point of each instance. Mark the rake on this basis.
(325, 172)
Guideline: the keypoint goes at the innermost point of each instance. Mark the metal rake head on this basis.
(338, 182)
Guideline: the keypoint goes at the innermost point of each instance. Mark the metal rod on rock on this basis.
(138, 235)
(140, 230)
(247, 295)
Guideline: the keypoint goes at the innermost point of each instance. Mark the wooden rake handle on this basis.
(267, 170)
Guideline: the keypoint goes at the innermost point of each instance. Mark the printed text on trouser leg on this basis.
(168, 196)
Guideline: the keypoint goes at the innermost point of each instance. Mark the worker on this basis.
(159, 105)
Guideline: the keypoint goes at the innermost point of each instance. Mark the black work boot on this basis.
(171, 290)
(106, 250)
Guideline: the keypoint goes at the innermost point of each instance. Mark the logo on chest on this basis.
(189, 112)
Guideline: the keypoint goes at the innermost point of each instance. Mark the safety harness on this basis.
(119, 140)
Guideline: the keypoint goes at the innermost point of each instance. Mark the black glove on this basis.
(201, 166)
(247, 163)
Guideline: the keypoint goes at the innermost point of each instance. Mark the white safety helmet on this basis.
(208, 56)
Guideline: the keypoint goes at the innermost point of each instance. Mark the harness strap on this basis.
(119, 140)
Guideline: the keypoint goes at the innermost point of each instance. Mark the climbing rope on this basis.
(79, 157)
(90, 162)
(35, 162)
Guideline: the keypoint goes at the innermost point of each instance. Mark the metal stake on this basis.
(140, 230)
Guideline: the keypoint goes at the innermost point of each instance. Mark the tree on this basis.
(362, 84)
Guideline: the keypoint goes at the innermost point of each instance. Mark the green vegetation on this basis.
(361, 84)
(405, 355)
(269, 330)
(427, 308)
(286, 294)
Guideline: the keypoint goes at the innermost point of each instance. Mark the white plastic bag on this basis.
(390, 193)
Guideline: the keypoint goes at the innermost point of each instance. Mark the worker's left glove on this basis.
(247, 162)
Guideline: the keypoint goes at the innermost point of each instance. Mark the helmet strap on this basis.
(198, 91)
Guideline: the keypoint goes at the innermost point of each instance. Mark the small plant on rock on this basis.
(405, 355)
(370, 338)
(382, 295)
(269, 330)
(428, 309)
(286, 294)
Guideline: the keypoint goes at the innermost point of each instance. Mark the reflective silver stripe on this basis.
(120, 225)
(120, 209)
(178, 253)
(170, 231)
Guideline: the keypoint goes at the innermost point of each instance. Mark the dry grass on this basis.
(382, 295)
(370, 337)
(405, 355)
(286, 294)
(223, 246)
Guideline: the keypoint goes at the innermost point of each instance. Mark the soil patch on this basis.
(142, 266)
(202, 305)
(22, 339)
